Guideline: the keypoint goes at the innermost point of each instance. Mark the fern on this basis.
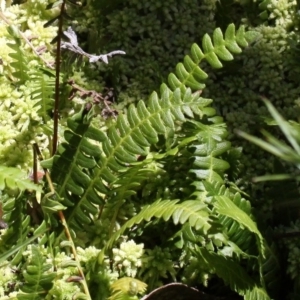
(129, 137)
(43, 83)
(207, 153)
(15, 238)
(96, 171)
(232, 273)
(18, 248)
(226, 207)
(38, 277)
(256, 293)
(126, 288)
(189, 74)
(75, 156)
(193, 212)
(233, 229)
(271, 269)
(132, 135)
(20, 63)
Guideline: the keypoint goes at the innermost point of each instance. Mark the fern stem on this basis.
(57, 72)
(81, 274)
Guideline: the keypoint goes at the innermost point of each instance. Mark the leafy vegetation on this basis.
(123, 195)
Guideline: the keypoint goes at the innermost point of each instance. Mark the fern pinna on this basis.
(164, 158)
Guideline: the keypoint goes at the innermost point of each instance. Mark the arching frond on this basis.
(193, 212)
(189, 74)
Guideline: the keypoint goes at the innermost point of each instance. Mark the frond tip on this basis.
(189, 73)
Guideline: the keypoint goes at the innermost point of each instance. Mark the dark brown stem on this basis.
(57, 72)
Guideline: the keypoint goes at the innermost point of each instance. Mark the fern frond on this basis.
(256, 293)
(14, 178)
(128, 138)
(38, 277)
(272, 271)
(193, 212)
(20, 63)
(126, 287)
(18, 221)
(207, 153)
(231, 272)
(226, 207)
(189, 74)
(15, 237)
(242, 238)
(78, 154)
(20, 246)
(43, 84)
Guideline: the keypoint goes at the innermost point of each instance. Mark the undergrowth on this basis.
(132, 197)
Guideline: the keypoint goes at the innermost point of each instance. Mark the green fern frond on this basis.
(18, 248)
(14, 178)
(126, 288)
(128, 138)
(18, 221)
(207, 153)
(43, 84)
(189, 74)
(243, 239)
(226, 207)
(272, 271)
(70, 170)
(191, 211)
(38, 277)
(231, 272)
(15, 237)
(256, 293)
(20, 63)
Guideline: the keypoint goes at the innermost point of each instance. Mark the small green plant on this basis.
(286, 222)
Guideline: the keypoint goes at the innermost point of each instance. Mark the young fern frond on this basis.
(126, 288)
(256, 293)
(14, 208)
(207, 152)
(272, 271)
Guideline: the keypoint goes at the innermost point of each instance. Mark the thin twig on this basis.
(64, 223)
